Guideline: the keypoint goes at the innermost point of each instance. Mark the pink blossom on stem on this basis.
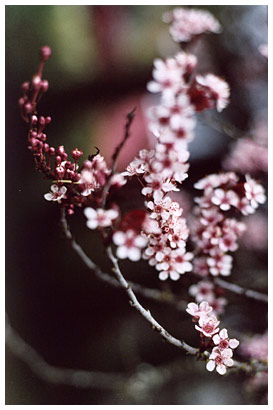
(129, 244)
(56, 194)
(221, 359)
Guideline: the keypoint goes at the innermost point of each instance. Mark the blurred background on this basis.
(102, 58)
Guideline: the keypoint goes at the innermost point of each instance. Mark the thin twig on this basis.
(232, 287)
(153, 294)
(130, 118)
(146, 313)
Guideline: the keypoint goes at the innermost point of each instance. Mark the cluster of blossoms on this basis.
(205, 290)
(208, 327)
(215, 234)
(72, 185)
(188, 24)
(160, 170)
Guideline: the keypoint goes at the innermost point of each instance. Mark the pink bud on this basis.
(33, 134)
(48, 120)
(45, 53)
(42, 120)
(22, 101)
(76, 154)
(60, 150)
(64, 156)
(77, 177)
(46, 147)
(36, 82)
(58, 159)
(25, 86)
(28, 108)
(51, 151)
(70, 174)
(60, 172)
(34, 119)
(70, 211)
(44, 86)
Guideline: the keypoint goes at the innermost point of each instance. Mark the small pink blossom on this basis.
(221, 359)
(202, 291)
(99, 218)
(199, 311)
(129, 244)
(254, 192)
(189, 23)
(223, 341)
(208, 325)
(224, 199)
(56, 194)
(218, 87)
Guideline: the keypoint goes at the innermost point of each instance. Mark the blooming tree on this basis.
(159, 233)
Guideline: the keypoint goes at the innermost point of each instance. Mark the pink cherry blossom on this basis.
(218, 87)
(129, 244)
(56, 194)
(202, 291)
(224, 199)
(208, 325)
(189, 23)
(198, 311)
(223, 342)
(221, 359)
(99, 218)
(254, 192)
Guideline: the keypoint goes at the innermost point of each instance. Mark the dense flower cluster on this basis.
(187, 24)
(208, 327)
(213, 232)
(160, 170)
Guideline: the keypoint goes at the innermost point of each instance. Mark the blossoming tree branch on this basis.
(158, 233)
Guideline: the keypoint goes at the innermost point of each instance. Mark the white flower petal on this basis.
(119, 238)
(221, 369)
(233, 343)
(134, 254)
(122, 252)
(210, 366)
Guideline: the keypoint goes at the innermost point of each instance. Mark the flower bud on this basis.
(76, 154)
(44, 86)
(45, 53)
(60, 172)
(46, 147)
(33, 134)
(51, 151)
(60, 150)
(21, 101)
(36, 82)
(58, 159)
(28, 108)
(34, 119)
(48, 120)
(25, 86)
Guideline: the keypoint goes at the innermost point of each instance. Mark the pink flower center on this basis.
(208, 328)
(223, 344)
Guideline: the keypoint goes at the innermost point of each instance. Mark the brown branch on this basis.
(153, 294)
(130, 118)
(232, 287)
(146, 313)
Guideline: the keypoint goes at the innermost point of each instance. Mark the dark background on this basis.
(102, 59)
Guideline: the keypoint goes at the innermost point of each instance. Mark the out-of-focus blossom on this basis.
(186, 24)
(129, 244)
(218, 88)
(256, 235)
(99, 218)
